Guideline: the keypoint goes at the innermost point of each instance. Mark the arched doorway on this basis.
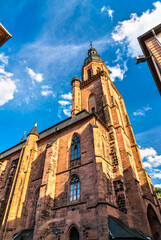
(154, 223)
(74, 234)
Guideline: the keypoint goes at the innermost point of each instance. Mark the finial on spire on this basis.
(91, 44)
(34, 130)
(23, 138)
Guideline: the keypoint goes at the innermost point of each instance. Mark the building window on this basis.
(75, 148)
(89, 73)
(74, 189)
(74, 234)
(98, 70)
(36, 202)
(92, 108)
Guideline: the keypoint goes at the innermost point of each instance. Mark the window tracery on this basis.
(74, 189)
(75, 151)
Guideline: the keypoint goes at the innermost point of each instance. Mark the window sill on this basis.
(74, 203)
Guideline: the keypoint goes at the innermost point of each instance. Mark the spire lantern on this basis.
(92, 55)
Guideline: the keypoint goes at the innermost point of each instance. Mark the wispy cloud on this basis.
(3, 58)
(141, 112)
(117, 71)
(34, 76)
(108, 10)
(46, 91)
(157, 175)
(126, 32)
(67, 111)
(67, 96)
(7, 84)
(63, 102)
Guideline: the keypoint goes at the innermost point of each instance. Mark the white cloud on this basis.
(66, 106)
(117, 71)
(127, 31)
(103, 9)
(108, 10)
(45, 87)
(141, 112)
(157, 175)
(110, 13)
(146, 152)
(119, 55)
(157, 185)
(34, 76)
(46, 91)
(152, 159)
(67, 96)
(67, 112)
(63, 102)
(7, 84)
(3, 58)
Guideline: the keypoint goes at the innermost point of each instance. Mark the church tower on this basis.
(82, 178)
(128, 178)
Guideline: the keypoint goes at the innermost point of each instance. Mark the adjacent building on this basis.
(4, 35)
(150, 43)
(82, 178)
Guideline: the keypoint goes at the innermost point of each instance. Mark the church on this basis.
(83, 178)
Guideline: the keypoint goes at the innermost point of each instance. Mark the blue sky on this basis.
(49, 44)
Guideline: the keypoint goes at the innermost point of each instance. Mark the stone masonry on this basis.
(36, 174)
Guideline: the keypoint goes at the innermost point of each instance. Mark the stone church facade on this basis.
(82, 178)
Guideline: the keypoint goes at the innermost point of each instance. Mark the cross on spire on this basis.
(91, 44)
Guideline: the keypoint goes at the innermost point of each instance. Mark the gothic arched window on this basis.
(74, 234)
(89, 73)
(98, 70)
(74, 188)
(92, 108)
(75, 148)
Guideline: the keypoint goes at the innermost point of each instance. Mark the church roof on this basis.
(120, 230)
(55, 128)
(4, 35)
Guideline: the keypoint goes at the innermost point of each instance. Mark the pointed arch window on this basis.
(92, 106)
(74, 234)
(74, 189)
(75, 148)
(89, 73)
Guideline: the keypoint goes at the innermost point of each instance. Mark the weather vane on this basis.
(91, 44)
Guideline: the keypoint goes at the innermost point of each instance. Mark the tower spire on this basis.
(34, 130)
(23, 138)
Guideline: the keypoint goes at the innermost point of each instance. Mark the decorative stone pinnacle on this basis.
(91, 44)
(23, 138)
(35, 124)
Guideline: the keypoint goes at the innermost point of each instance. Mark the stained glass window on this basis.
(75, 148)
(74, 188)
